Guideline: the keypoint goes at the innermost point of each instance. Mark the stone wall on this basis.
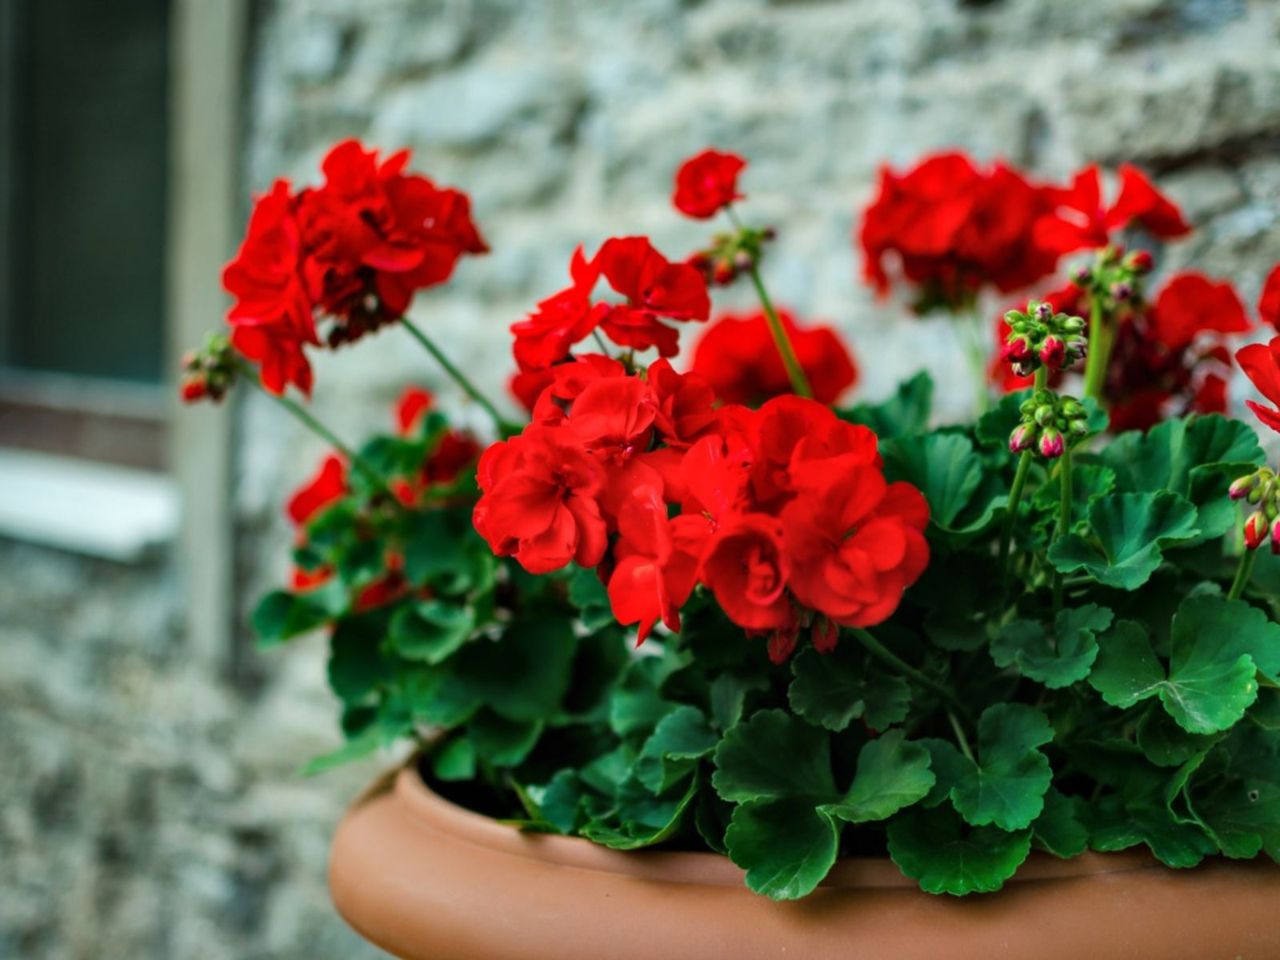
(150, 808)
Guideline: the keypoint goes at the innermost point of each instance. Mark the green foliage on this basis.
(1098, 691)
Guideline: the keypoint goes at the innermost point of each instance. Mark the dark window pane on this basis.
(88, 169)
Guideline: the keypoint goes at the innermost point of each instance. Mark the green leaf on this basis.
(905, 413)
(785, 845)
(994, 426)
(774, 755)
(641, 819)
(1238, 797)
(443, 551)
(502, 742)
(891, 774)
(281, 615)
(358, 747)
(947, 764)
(1165, 743)
(638, 704)
(943, 465)
(833, 689)
(1090, 482)
(1056, 661)
(1129, 530)
(560, 801)
(937, 849)
(1210, 682)
(455, 760)
(1006, 787)
(1059, 829)
(1196, 457)
(356, 667)
(524, 674)
(589, 595)
(672, 752)
(431, 631)
(1115, 826)
(728, 695)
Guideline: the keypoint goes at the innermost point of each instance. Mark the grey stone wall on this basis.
(150, 807)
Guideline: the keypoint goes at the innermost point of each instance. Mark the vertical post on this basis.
(207, 52)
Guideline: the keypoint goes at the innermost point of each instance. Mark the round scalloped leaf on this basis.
(937, 849)
(1007, 784)
(1128, 532)
(774, 755)
(672, 751)
(1059, 829)
(1059, 660)
(892, 773)
(785, 845)
(833, 689)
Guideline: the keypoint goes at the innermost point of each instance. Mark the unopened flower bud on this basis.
(1051, 444)
(1275, 537)
(825, 634)
(1043, 312)
(1073, 325)
(1081, 276)
(1140, 261)
(1017, 349)
(1022, 438)
(1071, 407)
(743, 260)
(724, 272)
(1053, 352)
(1255, 530)
(1045, 415)
(1078, 426)
(700, 261)
(1120, 292)
(193, 388)
(768, 233)
(1241, 488)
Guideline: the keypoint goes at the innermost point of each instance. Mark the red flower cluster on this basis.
(738, 358)
(1261, 364)
(351, 252)
(652, 288)
(1081, 222)
(707, 183)
(1170, 355)
(1269, 301)
(955, 228)
(783, 513)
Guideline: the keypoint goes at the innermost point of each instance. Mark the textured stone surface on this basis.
(149, 803)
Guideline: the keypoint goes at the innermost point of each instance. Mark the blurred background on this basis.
(149, 798)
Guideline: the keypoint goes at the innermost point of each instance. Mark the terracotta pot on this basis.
(427, 880)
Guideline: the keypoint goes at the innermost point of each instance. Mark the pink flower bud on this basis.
(723, 272)
(1053, 352)
(1255, 530)
(1022, 438)
(1051, 444)
(743, 260)
(1275, 537)
(1120, 292)
(1017, 349)
(1043, 312)
(1140, 261)
(1241, 488)
(1081, 276)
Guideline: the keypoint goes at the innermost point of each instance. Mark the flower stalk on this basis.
(1244, 570)
(504, 426)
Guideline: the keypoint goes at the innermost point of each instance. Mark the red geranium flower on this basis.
(1261, 364)
(1190, 304)
(539, 501)
(326, 487)
(1269, 301)
(1080, 221)
(746, 568)
(737, 356)
(954, 229)
(655, 289)
(707, 183)
(855, 542)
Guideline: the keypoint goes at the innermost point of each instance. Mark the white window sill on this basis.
(97, 509)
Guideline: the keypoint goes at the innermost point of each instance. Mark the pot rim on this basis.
(428, 810)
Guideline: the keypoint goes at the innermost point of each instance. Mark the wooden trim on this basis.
(208, 44)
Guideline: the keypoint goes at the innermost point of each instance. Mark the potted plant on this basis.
(704, 663)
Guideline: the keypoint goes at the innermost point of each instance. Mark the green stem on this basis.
(1015, 497)
(795, 372)
(1101, 338)
(976, 351)
(887, 656)
(505, 427)
(604, 347)
(1064, 518)
(305, 417)
(1243, 572)
(961, 739)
